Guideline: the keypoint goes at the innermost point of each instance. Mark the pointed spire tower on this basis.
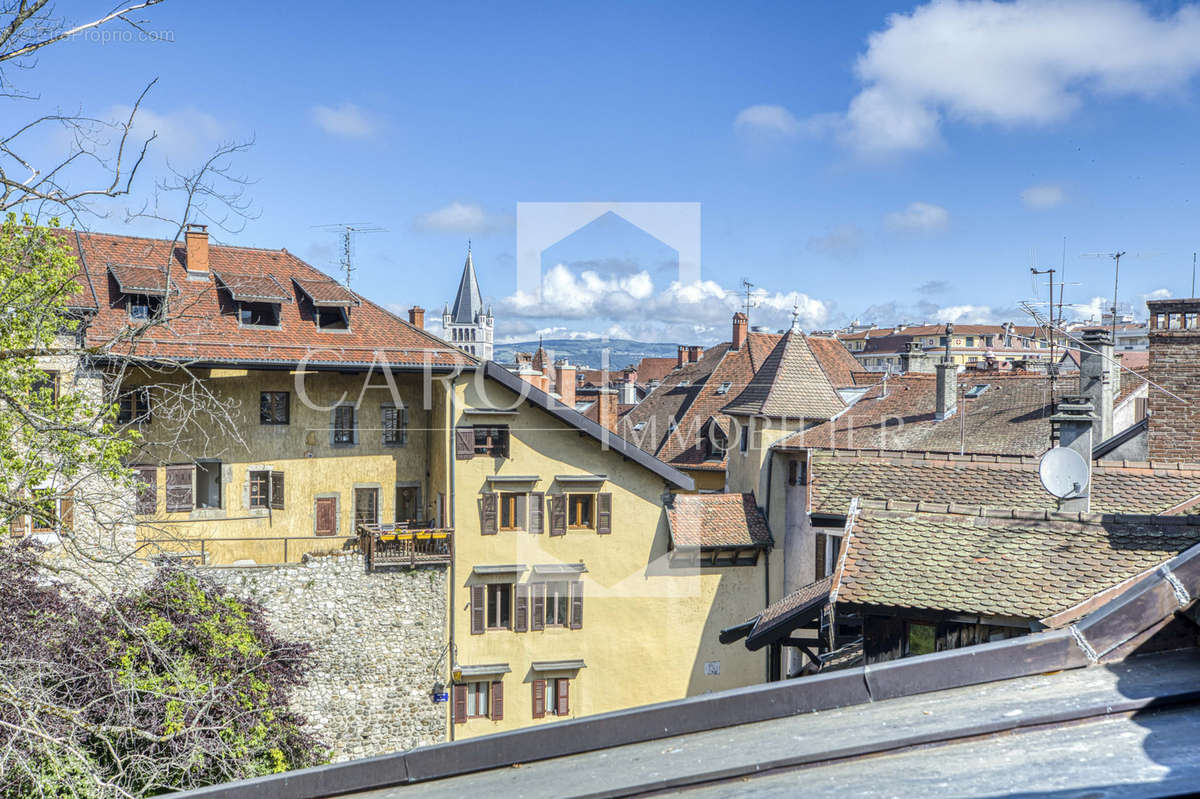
(467, 324)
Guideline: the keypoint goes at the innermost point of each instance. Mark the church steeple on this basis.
(467, 324)
(468, 304)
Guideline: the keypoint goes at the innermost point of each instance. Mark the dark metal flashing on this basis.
(737, 632)
(279, 365)
(585, 425)
(1129, 433)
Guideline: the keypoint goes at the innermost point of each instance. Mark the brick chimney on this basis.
(195, 239)
(566, 383)
(740, 322)
(1095, 379)
(1175, 365)
(683, 358)
(416, 317)
(695, 353)
(606, 408)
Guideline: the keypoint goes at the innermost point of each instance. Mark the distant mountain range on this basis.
(589, 352)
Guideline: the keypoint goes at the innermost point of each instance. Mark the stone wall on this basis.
(378, 647)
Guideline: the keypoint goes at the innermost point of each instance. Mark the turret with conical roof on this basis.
(467, 324)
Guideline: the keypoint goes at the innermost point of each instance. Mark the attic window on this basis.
(330, 318)
(724, 387)
(259, 314)
(143, 306)
(684, 383)
(977, 390)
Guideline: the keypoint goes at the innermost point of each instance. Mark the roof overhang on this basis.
(557, 665)
(252, 288)
(499, 568)
(484, 670)
(556, 569)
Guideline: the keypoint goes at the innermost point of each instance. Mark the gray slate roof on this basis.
(467, 303)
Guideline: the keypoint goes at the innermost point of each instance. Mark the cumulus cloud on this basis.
(1043, 196)
(182, 134)
(842, 242)
(766, 120)
(347, 120)
(918, 218)
(1026, 62)
(458, 217)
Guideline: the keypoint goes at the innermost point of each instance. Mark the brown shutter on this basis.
(180, 481)
(17, 525)
(563, 706)
(497, 700)
(822, 540)
(522, 520)
(521, 624)
(478, 609)
(604, 514)
(576, 604)
(66, 513)
(147, 494)
(537, 511)
(539, 699)
(460, 703)
(538, 602)
(500, 450)
(326, 516)
(487, 509)
(464, 443)
(558, 514)
(277, 490)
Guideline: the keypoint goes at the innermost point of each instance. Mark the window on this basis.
(147, 492)
(919, 639)
(274, 407)
(558, 604)
(366, 506)
(491, 441)
(724, 387)
(333, 318)
(744, 444)
(134, 407)
(259, 314)
(143, 307)
(639, 427)
(943, 341)
(970, 341)
(499, 606)
(579, 510)
(266, 489)
(797, 472)
(343, 425)
(45, 388)
(477, 699)
(42, 511)
(208, 484)
(551, 697)
(976, 391)
(512, 511)
(408, 504)
(180, 488)
(395, 426)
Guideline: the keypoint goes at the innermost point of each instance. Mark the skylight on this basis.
(977, 390)
(724, 387)
(639, 426)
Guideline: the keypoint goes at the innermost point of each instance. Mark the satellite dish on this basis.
(1064, 472)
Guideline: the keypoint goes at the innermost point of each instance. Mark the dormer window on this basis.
(333, 318)
(258, 297)
(329, 301)
(143, 289)
(259, 314)
(143, 307)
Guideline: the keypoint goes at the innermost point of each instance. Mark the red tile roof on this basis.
(716, 520)
(790, 383)
(203, 322)
(837, 361)
(326, 292)
(139, 279)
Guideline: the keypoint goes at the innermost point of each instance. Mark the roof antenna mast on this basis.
(348, 231)
(748, 287)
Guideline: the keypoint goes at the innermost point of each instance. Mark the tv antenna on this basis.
(749, 289)
(1064, 473)
(348, 231)
(1116, 257)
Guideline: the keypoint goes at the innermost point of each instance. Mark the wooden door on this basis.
(326, 513)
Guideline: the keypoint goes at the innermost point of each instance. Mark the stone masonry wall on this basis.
(1174, 425)
(378, 647)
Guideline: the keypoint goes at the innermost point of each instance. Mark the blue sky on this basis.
(897, 162)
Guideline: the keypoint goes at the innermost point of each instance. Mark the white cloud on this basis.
(766, 120)
(182, 134)
(842, 242)
(1026, 62)
(918, 217)
(1043, 196)
(458, 218)
(1157, 294)
(346, 120)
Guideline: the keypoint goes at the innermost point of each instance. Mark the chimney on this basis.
(628, 391)
(1174, 365)
(695, 353)
(416, 317)
(946, 401)
(740, 321)
(195, 239)
(914, 359)
(1095, 379)
(682, 359)
(606, 408)
(1073, 422)
(566, 383)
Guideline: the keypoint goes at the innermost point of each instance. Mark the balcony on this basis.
(406, 544)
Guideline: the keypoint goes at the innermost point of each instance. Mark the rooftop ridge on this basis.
(916, 457)
(1023, 514)
(180, 242)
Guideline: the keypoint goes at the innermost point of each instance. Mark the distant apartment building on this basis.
(991, 346)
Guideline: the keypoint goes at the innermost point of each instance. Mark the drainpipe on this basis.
(449, 521)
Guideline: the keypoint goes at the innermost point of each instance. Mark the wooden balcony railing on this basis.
(405, 544)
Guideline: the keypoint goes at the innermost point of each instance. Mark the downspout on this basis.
(449, 520)
(767, 568)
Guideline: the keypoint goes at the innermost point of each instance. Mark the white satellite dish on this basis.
(1064, 472)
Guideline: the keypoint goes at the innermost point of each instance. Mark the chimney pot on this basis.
(416, 317)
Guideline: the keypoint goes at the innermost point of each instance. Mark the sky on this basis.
(876, 161)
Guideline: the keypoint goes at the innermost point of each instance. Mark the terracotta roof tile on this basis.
(252, 288)
(326, 292)
(837, 361)
(717, 520)
(139, 279)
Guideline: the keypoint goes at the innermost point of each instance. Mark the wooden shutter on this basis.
(460, 703)
(576, 604)
(487, 508)
(326, 516)
(390, 418)
(277, 490)
(464, 443)
(66, 513)
(604, 514)
(180, 488)
(521, 624)
(147, 494)
(821, 542)
(404, 427)
(558, 514)
(539, 699)
(497, 700)
(537, 511)
(500, 447)
(17, 525)
(537, 601)
(478, 608)
(563, 706)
